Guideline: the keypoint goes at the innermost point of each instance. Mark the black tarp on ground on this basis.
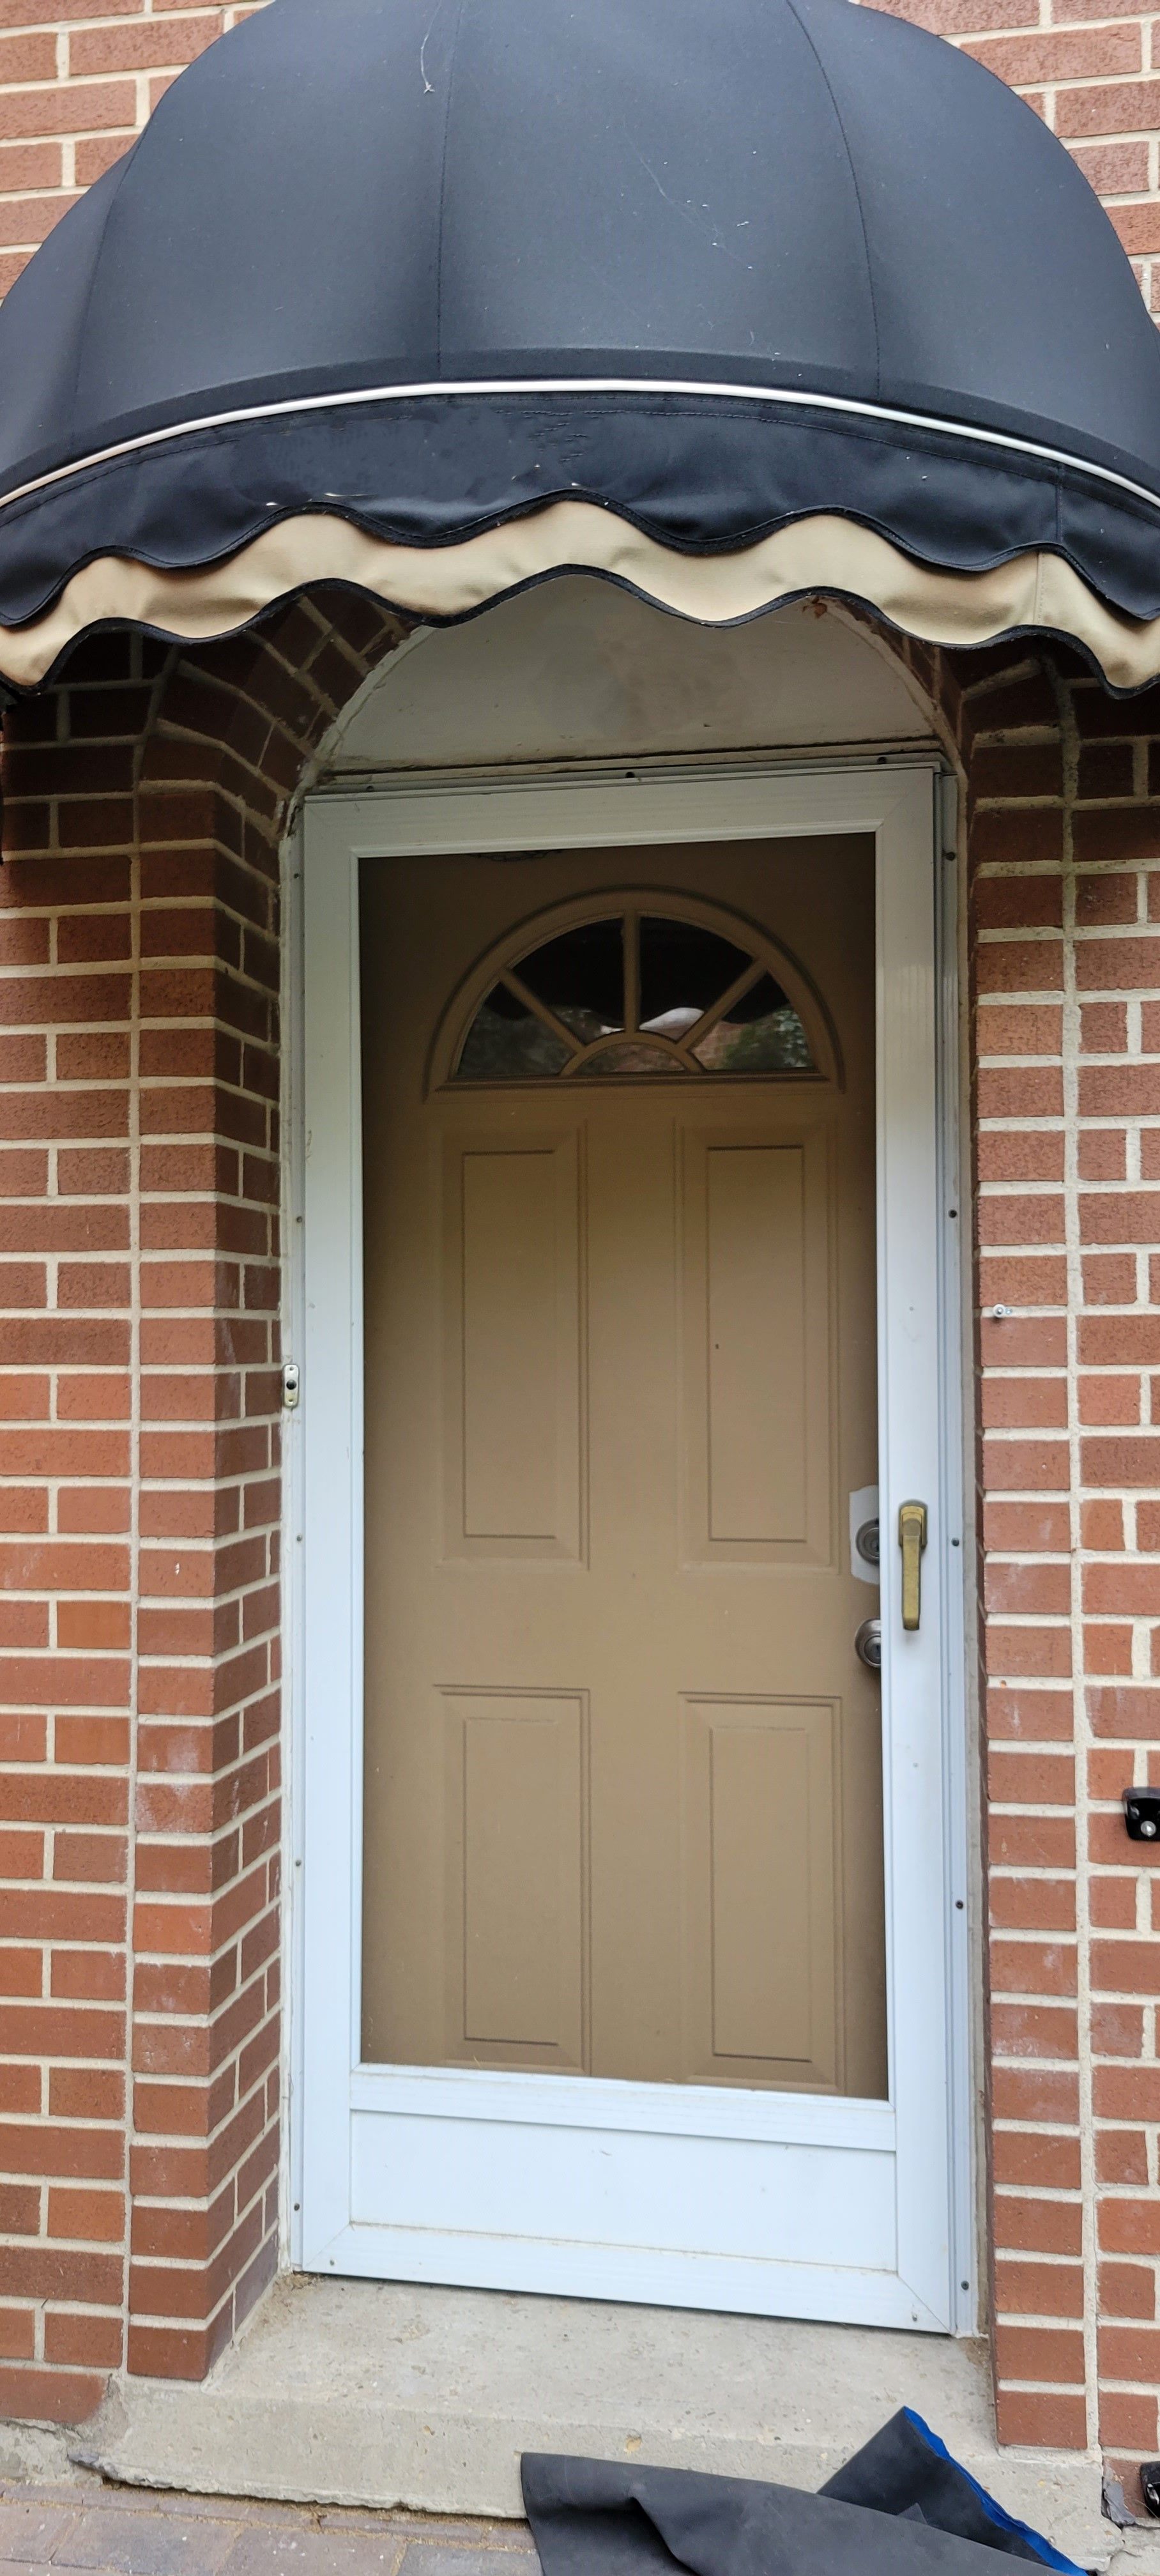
(901, 2507)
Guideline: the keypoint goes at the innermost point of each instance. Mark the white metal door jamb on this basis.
(876, 2196)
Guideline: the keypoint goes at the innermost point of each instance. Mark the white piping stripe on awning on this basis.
(583, 385)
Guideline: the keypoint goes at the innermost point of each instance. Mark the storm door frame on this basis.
(908, 804)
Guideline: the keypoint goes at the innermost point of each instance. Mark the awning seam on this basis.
(828, 86)
(453, 56)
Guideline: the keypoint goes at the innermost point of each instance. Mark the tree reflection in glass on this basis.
(634, 995)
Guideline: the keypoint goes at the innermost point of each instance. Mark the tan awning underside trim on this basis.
(817, 554)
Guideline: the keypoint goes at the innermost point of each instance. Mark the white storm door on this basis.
(778, 2203)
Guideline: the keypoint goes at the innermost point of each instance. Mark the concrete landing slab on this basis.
(375, 2393)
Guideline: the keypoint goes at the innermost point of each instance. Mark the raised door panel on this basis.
(761, 1891)
(515, 1878)
(513, 1361)
(758, 1410)
(755, 1278)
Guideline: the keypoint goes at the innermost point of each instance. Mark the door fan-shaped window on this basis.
(634, 993)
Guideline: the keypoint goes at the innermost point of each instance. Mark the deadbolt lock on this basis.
(866, 1543)
(912, 1541)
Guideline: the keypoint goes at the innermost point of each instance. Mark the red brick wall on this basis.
(1066, 970)
(137, 935)
(1091, 69)
(1077, 1389)
(145, 801)
(1067, 916)
(140, 1295)
(78, 79)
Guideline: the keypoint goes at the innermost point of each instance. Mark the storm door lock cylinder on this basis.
(1142, 1815)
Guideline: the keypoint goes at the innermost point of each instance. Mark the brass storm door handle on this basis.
(912, 1540)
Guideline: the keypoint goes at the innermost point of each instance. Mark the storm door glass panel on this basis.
(623, 1764)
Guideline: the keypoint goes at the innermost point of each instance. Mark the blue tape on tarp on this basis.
(995, 2513)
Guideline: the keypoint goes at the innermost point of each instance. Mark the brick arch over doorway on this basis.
(146, 798)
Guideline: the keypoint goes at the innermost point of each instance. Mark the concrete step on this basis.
(376, 2393)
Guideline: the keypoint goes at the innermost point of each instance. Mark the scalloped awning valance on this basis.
(730, 300)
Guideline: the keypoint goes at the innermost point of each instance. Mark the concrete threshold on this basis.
(376, 2393)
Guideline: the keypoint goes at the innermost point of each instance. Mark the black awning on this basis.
(416, 293)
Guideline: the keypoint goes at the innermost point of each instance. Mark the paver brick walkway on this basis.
(117, 2531)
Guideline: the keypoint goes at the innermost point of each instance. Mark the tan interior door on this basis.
(622, 1764)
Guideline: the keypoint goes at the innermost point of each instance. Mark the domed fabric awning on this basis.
(731, 300)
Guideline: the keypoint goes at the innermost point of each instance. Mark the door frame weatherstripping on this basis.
(910, 2157)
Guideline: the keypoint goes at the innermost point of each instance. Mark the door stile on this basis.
(293, 1133)
(955, 1357)
(910, 1468)
(919, 1394)
(329, 1860)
